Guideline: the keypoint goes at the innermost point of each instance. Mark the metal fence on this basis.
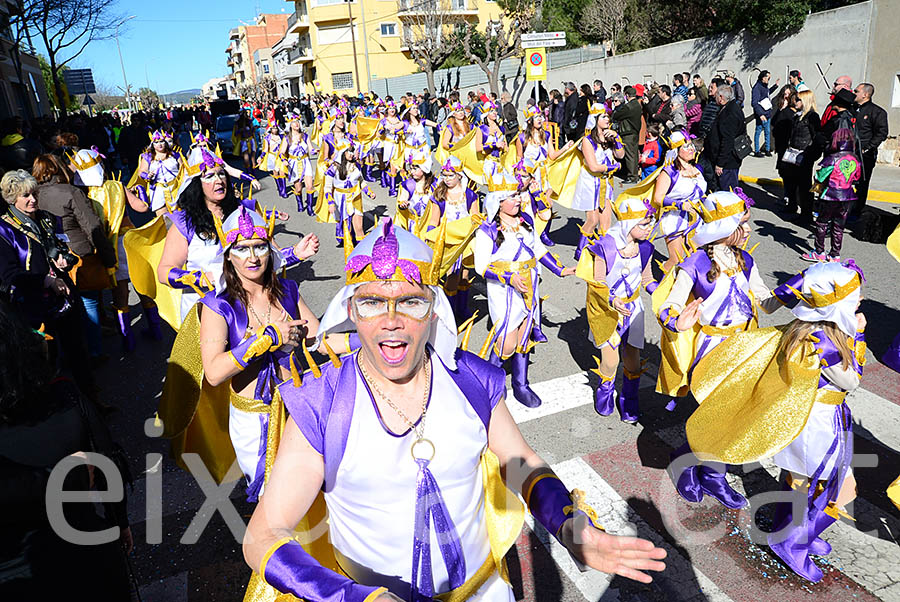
(470, 76)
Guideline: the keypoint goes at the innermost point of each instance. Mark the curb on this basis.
(882, 196)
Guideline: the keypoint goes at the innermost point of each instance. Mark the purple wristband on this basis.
(552, 263)
(547, 500)
(176, 273)
(668, 319)
(290, 258)
(291, 570)
(243, 353)
(784, 293)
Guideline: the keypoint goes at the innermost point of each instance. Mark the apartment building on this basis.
(328, 56)
(24, 96)
(248, 54)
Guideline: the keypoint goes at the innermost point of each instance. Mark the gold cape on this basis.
(893, 243)
(602, 319)
(893, 492)
(677, 349)
(144, 247)
(563, 172)
(756, 400)
(458, 235)
(504, 517)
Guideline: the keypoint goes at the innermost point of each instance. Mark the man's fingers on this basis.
(634, 575)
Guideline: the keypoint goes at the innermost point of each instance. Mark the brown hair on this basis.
(47, 166)
(799, 332)
(234, 289)
(459, 130)
(713, 272)
(66, 139)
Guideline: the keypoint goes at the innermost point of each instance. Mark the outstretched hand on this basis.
(689, 315)
(307, 247)
(620, 555)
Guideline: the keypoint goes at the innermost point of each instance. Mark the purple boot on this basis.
(794, 549)
(582, 243)
(603, 397)
(384, 178)
(521, 391)
(696, 481)
(891, 357)
(128, 340)
(628, 400)
(545, 238)
(154, 323)
(818, 546)
(281, 187)
(310, 204)
(300, 206)
(393, 186)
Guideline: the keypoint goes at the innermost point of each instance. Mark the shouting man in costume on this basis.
(405, 443)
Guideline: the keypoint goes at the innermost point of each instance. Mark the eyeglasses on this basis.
(211, 176)
(369, 307)
(250, 251)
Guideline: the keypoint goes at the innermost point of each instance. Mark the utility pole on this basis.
(122, 62)
(366, 47)
(353, 41)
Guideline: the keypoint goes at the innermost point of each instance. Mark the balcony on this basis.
(234, 33)
(297, 22)
(413, 8)
(300, 54)
(288, 71)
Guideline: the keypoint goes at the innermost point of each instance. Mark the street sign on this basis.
(79, 81)
(543, 44)
(536, 65)
(545, 35)
(88, 101)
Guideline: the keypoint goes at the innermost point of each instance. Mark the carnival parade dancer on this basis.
(456, 202)
(416, 194)
(601, 151)
(156, 178)
(415, 138)
(389, 437)
(507, 253)
(783, 389)
(677, 186)
(112, 197)
(271, 158)
(708, 297)
(534, 145)
(389, 146)
(615, 267)
(194, 158)
(296, 148)
(244, 140)
(344, 187)
(491, 143)
(187, 263)
(455, 130)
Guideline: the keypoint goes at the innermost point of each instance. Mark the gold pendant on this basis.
(418, 444)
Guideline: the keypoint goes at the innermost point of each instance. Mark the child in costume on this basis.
(593, 193)
(270, 159)
(156, 178)
(344, 186)
(615, 267)
(783, 390)
(708, 297)
(296, 148)
(507, 252)
(838, 173)
(416, 193)
(491, 143)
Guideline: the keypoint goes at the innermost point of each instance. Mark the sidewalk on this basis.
(885, 187)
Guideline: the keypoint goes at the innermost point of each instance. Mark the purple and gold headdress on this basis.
(394, 255)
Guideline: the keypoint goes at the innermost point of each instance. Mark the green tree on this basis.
(70, 104)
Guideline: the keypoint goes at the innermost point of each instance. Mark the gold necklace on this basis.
(419, 429)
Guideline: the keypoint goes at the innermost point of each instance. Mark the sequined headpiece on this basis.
(531, 112)
(160, 136)
(394, 255)
(452, 164)
(244, 224)
(830, 292)
(720, 214)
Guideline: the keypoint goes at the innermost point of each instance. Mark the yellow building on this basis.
(381, 34)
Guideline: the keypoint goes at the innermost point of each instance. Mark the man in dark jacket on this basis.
(762, 111)
(627, 118)
(510, 117)
(719, 148)
(599, 92)
(710, 109)
(663, 112)
(871, 130)
(570, 110)
(732, 80)
(17, 149)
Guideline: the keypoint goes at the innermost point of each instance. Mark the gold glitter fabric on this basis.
(677, 349)
(194, 414)
(756, 401)
(893, 492)
(602, 319)
(144, 247)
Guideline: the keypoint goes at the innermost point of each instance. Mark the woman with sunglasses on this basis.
(617, 266)
(158, 169)
(188, 257)
(507, 253)
(678, 186)
(455, 201)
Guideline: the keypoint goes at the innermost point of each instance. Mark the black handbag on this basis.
(742, 147)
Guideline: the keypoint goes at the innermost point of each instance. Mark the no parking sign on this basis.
(536, 64)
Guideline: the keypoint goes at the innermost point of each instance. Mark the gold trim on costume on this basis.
(265, 559)
(816, 299)
(725, 331)
(830, 397)
(527, 496)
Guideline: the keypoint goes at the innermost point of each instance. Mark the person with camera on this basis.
(34, 265)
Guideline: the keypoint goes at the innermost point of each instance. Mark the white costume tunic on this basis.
(416, 139)
(347, 191)
(161, 172)
(298, 159)
(373, 492)
(538, 153)
(589, 187)
(624, 280)
(388, 140)
(506, 305)
(491, 143)
(270, 161)
(676, 221)
(201, 255)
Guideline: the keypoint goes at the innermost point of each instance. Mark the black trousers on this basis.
(630, 141)
(862, 187)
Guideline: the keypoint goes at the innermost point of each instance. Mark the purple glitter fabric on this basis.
(246, 230)
(385, 258)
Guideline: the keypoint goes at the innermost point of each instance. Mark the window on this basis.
(336, 34)
(342, 81)
(388, 30)
(327, 2)
(458, 4)
(265, 67)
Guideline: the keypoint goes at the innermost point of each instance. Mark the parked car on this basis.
(224, 128)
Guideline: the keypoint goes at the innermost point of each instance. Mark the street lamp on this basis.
(122, 62)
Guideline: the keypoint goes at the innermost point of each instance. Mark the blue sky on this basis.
(173, 44)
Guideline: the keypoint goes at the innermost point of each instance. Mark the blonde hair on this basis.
(809, 102)
(15, 184)
(799, 332)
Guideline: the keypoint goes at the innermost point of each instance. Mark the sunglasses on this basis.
(369, 307)
(211, 176)
(250, 251)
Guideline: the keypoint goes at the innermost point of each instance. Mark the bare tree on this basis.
(502, 39)
(266, 88)
(428, 34)
(605, 19)
(66, 27)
